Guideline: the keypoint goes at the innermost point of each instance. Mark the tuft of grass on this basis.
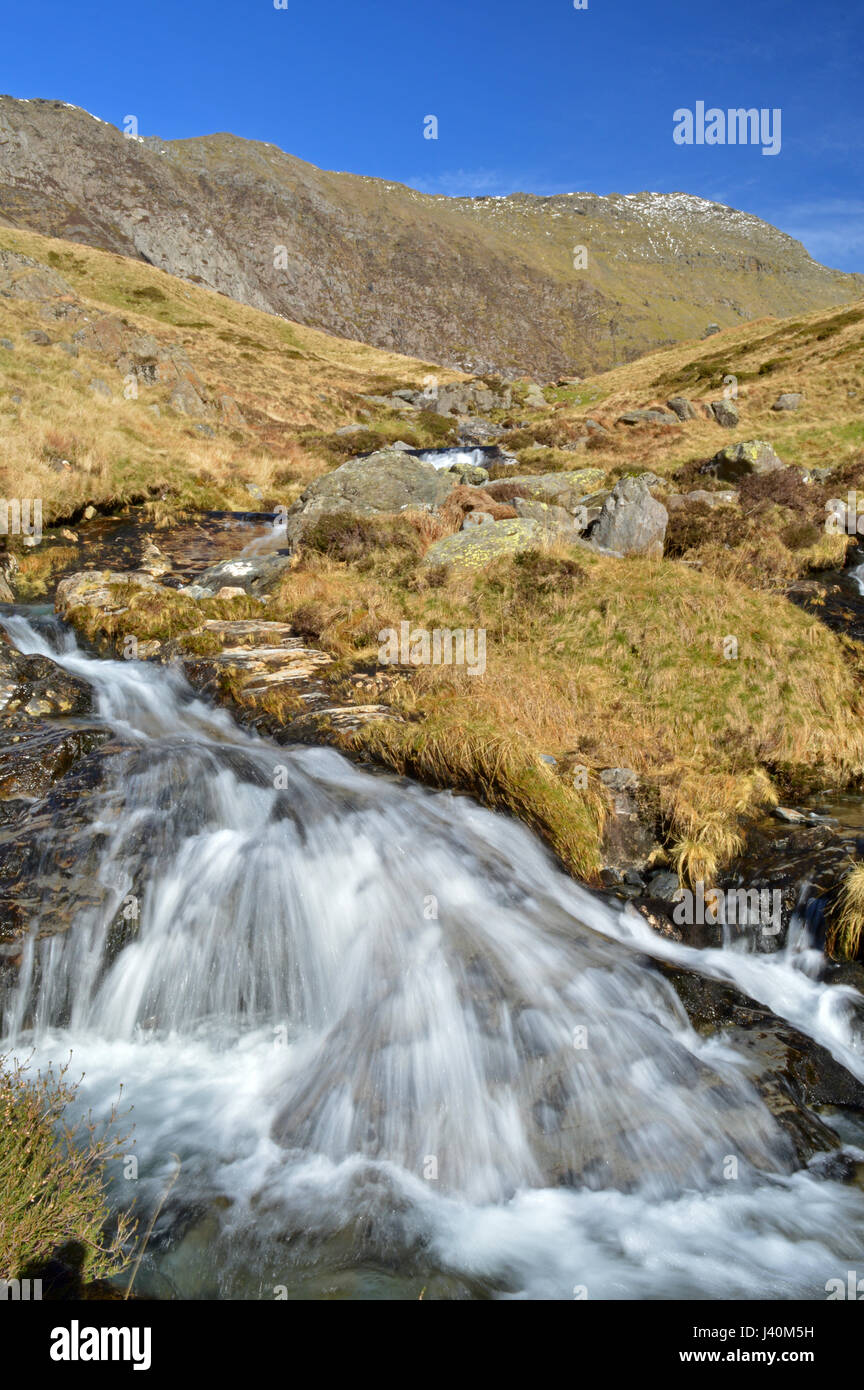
(52, 1180)
(846, 920)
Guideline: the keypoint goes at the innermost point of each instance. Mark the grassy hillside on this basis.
(593, 662)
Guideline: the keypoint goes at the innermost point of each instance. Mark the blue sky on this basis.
(534, 97)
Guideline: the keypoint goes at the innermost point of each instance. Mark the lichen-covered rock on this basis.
(725, 413)
(474, 549)
(631, 521)
(566, 489)
(737, 461)
(557, 523)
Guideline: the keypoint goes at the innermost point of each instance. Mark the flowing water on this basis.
(393, 1047)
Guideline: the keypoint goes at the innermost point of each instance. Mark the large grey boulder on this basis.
(631, 521)
(389, 480)
(738, 461)
(683, 408)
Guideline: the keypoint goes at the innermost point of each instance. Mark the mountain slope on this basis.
(480, 284)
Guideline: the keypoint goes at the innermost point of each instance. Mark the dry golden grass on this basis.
(846, 922)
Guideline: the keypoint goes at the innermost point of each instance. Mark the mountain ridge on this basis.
(484, 284)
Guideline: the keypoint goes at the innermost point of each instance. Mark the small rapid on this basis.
(393, 1046)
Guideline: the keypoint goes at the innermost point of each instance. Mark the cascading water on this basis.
(393, 1045)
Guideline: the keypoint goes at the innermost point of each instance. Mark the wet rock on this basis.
(474, 549)
(738, 461)
(254, 574)
(725, 413)
(793, 1074)
(35, 756)
(631, 521)
(38, 687)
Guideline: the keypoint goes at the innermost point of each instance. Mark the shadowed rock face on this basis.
(482, 284)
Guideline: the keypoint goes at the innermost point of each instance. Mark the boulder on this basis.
(389, 480)
(476, 430)
(631, 521)
(254, 574)
(23, 278)
(98, 589)
(647, 417)
(566, 489)
(534, 397)
(725, 413)
(737, 461)
(684, 409)
(474, 549)
(789, 400)
(37, 687)
(558, 524)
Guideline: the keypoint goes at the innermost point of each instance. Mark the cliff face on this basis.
(480, 284)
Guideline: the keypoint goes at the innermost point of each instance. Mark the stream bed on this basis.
(387, 1048)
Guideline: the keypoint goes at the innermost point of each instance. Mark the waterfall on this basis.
(385, 1033)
